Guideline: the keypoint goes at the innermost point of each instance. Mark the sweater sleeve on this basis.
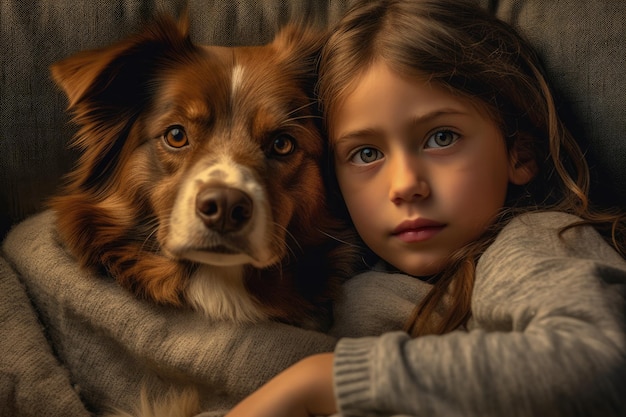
(546, 338)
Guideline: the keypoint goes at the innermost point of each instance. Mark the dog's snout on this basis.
(223, 209)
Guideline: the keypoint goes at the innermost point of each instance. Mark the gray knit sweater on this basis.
(547, 337)
(540, 344)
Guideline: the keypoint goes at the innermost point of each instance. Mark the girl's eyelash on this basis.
(431, 138)
(430, 141)
(352, 152)
(357, 152)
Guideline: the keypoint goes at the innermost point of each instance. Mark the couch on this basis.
(71, 342)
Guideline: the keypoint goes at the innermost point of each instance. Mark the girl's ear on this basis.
(522, 166)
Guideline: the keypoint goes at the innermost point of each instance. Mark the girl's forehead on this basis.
(380, 87)
(379, 72)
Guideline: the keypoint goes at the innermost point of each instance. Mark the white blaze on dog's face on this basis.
(236, 81)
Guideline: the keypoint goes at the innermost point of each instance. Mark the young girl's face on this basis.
(422, 171)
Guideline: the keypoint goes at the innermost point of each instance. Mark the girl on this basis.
(456, 170)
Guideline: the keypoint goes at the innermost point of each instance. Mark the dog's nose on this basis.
(223, 209)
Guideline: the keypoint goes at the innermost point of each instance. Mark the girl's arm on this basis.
(303, 390)
(547, 337)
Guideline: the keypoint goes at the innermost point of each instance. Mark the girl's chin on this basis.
(423, 271)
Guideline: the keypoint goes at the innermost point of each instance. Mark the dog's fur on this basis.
(199, 181)
(185, 403)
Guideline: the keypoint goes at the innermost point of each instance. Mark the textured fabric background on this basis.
(582, 43)
(32, 380)
(583, 46)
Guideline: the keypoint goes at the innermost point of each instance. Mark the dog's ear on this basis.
(112, 75)
(299, 45)
(109, 87)
(300, 39)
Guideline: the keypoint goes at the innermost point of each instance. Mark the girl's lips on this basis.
(417, 230)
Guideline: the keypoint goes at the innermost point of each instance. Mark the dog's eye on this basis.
(176, 137)
(283, 145)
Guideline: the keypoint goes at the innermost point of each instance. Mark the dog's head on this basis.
(192, 155)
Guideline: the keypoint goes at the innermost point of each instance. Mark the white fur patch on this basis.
(236, 80)
(220, 294)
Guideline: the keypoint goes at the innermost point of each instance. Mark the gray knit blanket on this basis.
(74, 343)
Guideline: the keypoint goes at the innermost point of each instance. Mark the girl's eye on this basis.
(176, 137)
(366, 156)
(283, 145)
(441, 139)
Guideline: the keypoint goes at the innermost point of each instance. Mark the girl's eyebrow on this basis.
(359, 134)
(415, 121)
(435, 114)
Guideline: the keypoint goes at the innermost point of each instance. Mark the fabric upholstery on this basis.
(114, 344)
(583, 48)
(582, 45)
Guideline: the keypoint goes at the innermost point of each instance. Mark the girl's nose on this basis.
(407, 181)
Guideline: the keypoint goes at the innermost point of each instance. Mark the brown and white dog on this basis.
(199, 182)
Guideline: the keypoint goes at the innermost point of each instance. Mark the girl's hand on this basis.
(302, 390)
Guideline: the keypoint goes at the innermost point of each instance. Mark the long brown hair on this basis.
(470, 52)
